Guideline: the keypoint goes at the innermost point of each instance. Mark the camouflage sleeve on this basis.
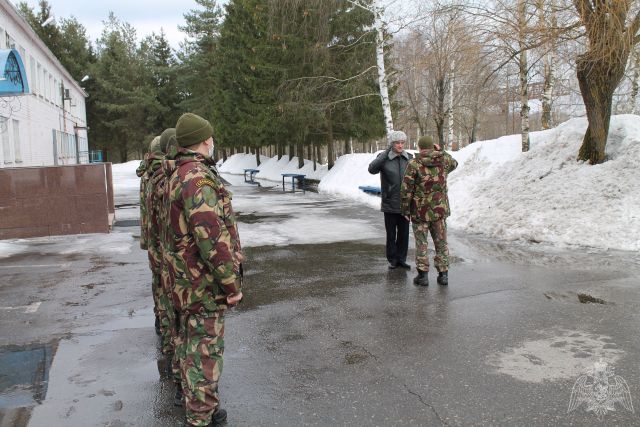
(452, 163)
(143, 214)
(204, 211)
(406, 190)
(141, 168)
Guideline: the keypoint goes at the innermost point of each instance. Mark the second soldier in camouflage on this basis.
(424, 199)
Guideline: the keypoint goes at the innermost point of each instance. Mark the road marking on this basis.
(31, 308)
(37, 265)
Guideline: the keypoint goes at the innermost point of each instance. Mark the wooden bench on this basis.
(371, 190)
(252, 173)
(293, 177)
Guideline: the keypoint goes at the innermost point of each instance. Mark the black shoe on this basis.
(422, 279)
(178, 399)
(443, 278)
(393, 265)
(219, 417)
(404, 265)
(158, 326)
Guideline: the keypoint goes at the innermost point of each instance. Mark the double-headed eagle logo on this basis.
(600, 389)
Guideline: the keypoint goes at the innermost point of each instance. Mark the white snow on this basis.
(91, 244)
(270, 167)
(544, 195)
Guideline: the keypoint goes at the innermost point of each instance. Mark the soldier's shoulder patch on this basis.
(204, 181)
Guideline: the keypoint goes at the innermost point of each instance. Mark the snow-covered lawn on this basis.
(544, 195)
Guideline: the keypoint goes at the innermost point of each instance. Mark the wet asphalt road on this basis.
(327, 335)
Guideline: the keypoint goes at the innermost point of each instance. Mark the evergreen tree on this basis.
(161, 67)
(198, 58)
(120, 89)
(247, 75)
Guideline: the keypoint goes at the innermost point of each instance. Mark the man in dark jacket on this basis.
(391, 165)
(424, 198)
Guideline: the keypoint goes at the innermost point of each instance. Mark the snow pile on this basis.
(545, 195)
(125, 178)
(270, 167)
(9, 248)
(348, 173)
(92, 244)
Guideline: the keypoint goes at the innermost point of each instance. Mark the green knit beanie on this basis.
(192, 129)
(164, 138)
(154, 145)
(425, 143)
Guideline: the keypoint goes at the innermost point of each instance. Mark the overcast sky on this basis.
(145, 16)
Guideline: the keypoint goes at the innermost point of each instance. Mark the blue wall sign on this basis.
(13, 77)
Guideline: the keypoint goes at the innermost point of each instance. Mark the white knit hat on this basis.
(397, 135)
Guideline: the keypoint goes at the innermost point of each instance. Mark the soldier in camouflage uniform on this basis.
(166, 236)
(203, 258)
(155, 222)
(144, 172)
(425, 201)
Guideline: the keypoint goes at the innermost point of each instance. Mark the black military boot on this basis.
(443, 278)
(219, 417)
(422, 279)
(178, 399)
(157, 325)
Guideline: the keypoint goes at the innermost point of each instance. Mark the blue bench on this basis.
(252, 173)
(294, 176)
(371, 190)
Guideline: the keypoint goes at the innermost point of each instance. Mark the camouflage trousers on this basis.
(438, 230)
(200, 355)
(168, 324)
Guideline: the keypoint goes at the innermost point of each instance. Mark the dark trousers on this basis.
(397, 228)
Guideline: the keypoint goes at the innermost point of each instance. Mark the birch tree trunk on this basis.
(549, 64)
(382, 73)
(451, 79)
(523, 72)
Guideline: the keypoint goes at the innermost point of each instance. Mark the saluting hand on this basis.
(234, 299)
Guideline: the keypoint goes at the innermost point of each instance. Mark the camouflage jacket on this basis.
(424, 187)
(144, 178)
(153, 203)
(202, 239)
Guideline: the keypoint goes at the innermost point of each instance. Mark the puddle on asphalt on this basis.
(253, 218)
(24, 374)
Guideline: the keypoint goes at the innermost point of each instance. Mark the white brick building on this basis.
(48, 125)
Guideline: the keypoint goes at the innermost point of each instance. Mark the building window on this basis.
(32, 71)
(45, 91)
(39, 79)
(4, 140)
(52, 94)
(17, 153)
(2, 46)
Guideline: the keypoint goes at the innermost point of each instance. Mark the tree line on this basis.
(306, 78)
(293, 79)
